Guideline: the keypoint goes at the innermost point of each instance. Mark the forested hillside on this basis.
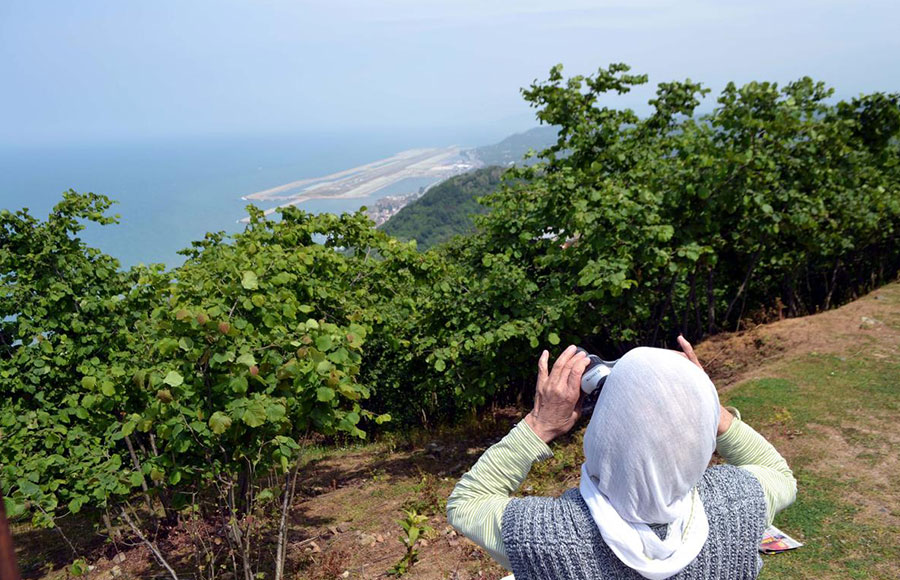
(150, 398)
(446, 210)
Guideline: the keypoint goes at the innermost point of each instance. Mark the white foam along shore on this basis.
(364, 180)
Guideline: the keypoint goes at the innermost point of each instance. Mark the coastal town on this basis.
(386, 207)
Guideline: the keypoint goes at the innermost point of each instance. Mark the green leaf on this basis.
(339, 356)
(246, 359)
(173, 379)
(553, 338)
(28, 488)
(254, 414)
(88, 382)
(136, 478)
(324, 394)
(323, 342)
(79, 567)
(281, 278)
(219, 422)
(221, 357)
(358, 330)
(239, 384)
(384, 418)
(440, 365)
(13, 507)
(275, 412)
(75, 504)
(108, 388)
(287, 442)
(128, 427)
(249, 280)
(167, 346)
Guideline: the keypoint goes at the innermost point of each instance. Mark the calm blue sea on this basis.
(170, 192)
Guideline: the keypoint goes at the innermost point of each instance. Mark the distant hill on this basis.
(445, 210)
(512, 149)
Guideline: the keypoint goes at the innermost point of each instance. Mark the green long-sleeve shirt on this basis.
(475, 507)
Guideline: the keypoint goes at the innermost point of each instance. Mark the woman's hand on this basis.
(557, 394)
(724, 416)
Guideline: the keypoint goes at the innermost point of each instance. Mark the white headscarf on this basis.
(649, 441)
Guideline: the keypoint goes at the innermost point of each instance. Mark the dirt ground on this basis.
(870, 324)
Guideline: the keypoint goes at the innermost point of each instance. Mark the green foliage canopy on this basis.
(197, 377)
(630, 230)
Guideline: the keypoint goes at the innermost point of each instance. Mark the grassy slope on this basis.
(823, 389)
(832, 410)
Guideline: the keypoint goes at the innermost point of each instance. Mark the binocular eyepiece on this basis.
(593, 379)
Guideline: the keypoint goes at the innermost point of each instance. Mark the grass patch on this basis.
(769, 402)
(819, 388)
(855, 397)
(837, 545)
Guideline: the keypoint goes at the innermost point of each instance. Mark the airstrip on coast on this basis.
(364, 180)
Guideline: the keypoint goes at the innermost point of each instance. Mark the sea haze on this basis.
(172, 192)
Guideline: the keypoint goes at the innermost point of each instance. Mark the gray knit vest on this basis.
(556, 538)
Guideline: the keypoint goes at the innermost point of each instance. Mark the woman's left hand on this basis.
(725, 417)
(557, 394)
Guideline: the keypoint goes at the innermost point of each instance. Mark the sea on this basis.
(169, 192)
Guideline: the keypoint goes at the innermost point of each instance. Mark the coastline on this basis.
(365, 180)
(311, 197)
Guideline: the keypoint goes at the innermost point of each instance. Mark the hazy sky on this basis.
(91, 70)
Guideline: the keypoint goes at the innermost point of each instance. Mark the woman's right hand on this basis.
(556, 397)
